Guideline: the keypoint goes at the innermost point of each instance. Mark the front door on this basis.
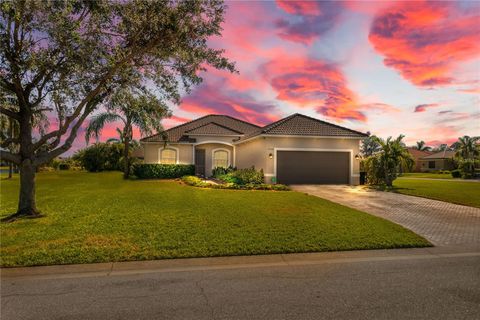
(200, 162)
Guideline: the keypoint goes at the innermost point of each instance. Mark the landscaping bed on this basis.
(100, 217)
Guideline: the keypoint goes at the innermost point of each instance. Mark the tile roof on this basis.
(445, 154)
(417, 154)
(295, 125)
(213, 129)
(180, 134)
(301, 125)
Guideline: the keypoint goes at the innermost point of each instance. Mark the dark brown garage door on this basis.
(313, 167)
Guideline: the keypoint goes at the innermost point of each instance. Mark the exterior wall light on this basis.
(270, 155)
(358, 157)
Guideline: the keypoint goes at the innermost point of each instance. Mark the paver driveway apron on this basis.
(442, 223)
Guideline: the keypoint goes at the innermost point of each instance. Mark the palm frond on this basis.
(98, 122)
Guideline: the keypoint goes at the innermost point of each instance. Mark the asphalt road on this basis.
(366, 285)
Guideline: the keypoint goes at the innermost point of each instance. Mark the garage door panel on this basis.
(313, 167)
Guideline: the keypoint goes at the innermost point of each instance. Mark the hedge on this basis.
(162, 171)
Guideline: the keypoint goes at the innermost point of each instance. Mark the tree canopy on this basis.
(62, 59)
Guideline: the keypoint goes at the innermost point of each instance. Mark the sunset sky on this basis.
(384, 67)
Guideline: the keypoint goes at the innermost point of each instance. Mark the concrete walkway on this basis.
(442, 223)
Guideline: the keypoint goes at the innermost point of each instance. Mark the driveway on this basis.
(443, 224)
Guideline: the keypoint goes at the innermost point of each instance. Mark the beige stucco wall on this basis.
(256, 152)
(202, 139)
(152, 154)
(209, 148)
(440, 164)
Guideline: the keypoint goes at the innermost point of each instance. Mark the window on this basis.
(431, 164)
(168, 156)
(220, 158)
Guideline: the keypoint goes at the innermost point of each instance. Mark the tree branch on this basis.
(10, 113)
(10, 157)
(46, 156)
(91, 95)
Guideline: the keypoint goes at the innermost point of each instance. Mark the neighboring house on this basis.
(442, 160)
(294, 150)
(417, 155)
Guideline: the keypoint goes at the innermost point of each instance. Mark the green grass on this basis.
(460, 192)
(427, 175)
(100, 217)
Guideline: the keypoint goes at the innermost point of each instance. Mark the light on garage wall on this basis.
(270, 155)
(358, 157)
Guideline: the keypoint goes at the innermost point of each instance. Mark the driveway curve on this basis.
(442, 223)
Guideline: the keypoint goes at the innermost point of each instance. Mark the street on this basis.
(432, 283)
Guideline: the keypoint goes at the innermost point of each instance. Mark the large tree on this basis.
(133, 108)
(63, 58)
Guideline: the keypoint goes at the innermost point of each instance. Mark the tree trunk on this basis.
(126, 149)
(27, 206)
(27, 203)
(10, 170)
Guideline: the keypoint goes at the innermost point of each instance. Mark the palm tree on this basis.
(369, 146)
(467, 147)
(393, 155)
(116, 140)
(421, 146)
(467, 154)
(132, 107)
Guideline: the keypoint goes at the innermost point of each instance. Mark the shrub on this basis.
(228, 178)
(456, 173)
(101, 157)
(221, 171)
(467, 168)
(64, 166)
(162, 171)
(193, 181)
(197, 182)
(240, 176)
(249, 176)
(56, 163)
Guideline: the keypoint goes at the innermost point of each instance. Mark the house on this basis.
(417, 155)
(442, 160)
(294, 150)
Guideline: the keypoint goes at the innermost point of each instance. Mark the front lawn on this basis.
(99, 217)
(460, 192)
(427, 175)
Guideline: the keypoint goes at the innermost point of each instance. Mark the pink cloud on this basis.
(424, 107)
(427, 41)
(312, 19)
(207, 99)
(313, 83)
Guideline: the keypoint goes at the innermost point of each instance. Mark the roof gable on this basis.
(180, 134)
